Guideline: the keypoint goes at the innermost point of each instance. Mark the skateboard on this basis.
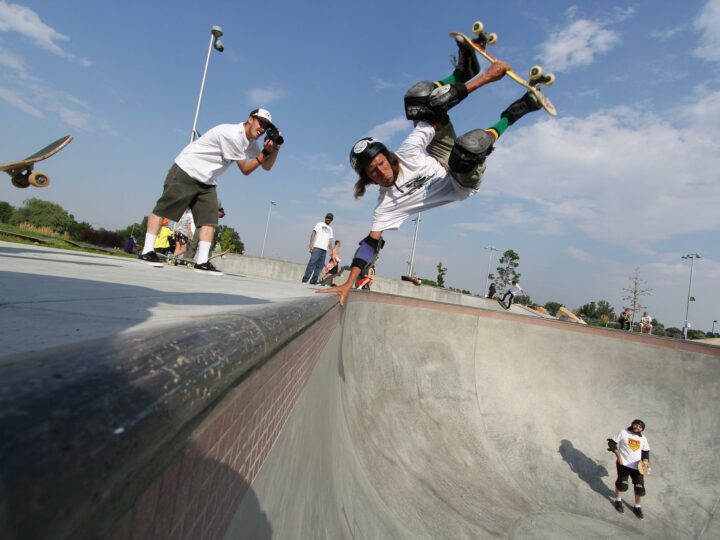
(644, 468)
(190, 263)
(412, 279)
(537, 77)
(21, 171)
(503, 304)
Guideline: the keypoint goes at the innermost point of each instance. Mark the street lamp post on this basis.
(267, 226)
(411, 262)
(692, 257)
(491, 249)
(712, 332)
(215, 43)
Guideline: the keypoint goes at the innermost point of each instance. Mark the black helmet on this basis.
(363, 152)
(638, 421)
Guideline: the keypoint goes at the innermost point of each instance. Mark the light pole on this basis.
(267, 225)
(411, 262)
(215, 43)
(712, 332)
(491, 249)
(692, 257)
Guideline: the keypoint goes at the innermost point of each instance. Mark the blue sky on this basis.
(627, 175)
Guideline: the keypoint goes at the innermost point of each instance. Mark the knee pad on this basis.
(417, 103)
(447, 96)
(639, 490)
(622, 487)
(470, 150)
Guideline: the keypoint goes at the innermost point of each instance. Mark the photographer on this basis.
(192, 179)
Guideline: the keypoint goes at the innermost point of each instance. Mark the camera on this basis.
(274, 135)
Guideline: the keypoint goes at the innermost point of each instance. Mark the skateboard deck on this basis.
(537, 77)
(190, 263)
(21, 171)
(644, 468)
(412, 279)
(503, 304)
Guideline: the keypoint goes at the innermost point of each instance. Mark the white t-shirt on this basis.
(212, 154)
(422, 183)
(323, 235)
(515, 289)
(631, 447)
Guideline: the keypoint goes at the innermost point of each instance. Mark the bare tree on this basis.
(635, 291)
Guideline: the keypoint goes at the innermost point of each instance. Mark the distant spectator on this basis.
(162, 241)
(130, 244)
(333, 266)
(320, 243)
(624, 319)
(491, 291)
(646, 323)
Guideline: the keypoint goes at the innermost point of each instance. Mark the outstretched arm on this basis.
(495, 72)
(366, 252)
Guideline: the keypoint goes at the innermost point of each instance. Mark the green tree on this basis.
(507, 271)
(229, 240)
(6, 212)
(552, 307)
(441, 271)
(43, 214)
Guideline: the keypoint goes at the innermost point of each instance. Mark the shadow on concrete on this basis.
(40, 311)
(587, 469)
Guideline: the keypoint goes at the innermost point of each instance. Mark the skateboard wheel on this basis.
(39, 179)
(549, 79)
(535, 72)
(477, 27)
(20, 181)
(492, 39)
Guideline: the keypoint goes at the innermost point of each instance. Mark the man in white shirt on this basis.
(192, 179)
(432, 167)
(320, 242)
(513, 290)
(632, 452)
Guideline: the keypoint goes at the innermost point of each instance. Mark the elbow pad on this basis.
(367, 251)
(645, 454)
(612, 445)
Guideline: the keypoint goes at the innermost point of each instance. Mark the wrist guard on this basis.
(367, 252)
(612, 445)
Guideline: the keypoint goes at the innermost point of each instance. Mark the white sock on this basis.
(149, 244)
(203, 252)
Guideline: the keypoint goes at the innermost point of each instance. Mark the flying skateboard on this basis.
(412, 279)
(21, 171)
(537, 77)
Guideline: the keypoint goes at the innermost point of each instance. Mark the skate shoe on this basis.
(519, 108)
(638, 512)
(619, 506)
(151, 258)
(466, 64)
(208, 268)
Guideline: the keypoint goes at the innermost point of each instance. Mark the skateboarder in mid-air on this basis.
(432, 167)
(632, 453)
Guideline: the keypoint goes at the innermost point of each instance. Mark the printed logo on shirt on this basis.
(634, 444)
(414, 185)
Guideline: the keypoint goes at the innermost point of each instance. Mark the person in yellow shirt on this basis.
(162, 242)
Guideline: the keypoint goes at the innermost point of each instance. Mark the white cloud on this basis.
(579, 254)
(381, 84)
(708, 24)
(261, 97)
(13, 62)
(622, 176)
(387, 130)
(74, 118)
(24, 21)
(16, 101)
(577, 45)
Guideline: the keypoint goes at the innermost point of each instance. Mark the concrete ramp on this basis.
(427, 420)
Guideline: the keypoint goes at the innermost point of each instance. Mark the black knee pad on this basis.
(445, 97)
(639, 490)
(417, 103)
(470, 150)
(622, 487)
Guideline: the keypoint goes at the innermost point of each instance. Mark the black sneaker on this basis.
(152, 259)
(638, 512)
(519, 108)
(207, 268)
(619, 506)
(466, 64)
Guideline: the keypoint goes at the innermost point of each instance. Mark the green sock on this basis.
(501, 125)
(451, 79)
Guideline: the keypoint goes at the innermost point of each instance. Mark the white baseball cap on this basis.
(263, 114)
